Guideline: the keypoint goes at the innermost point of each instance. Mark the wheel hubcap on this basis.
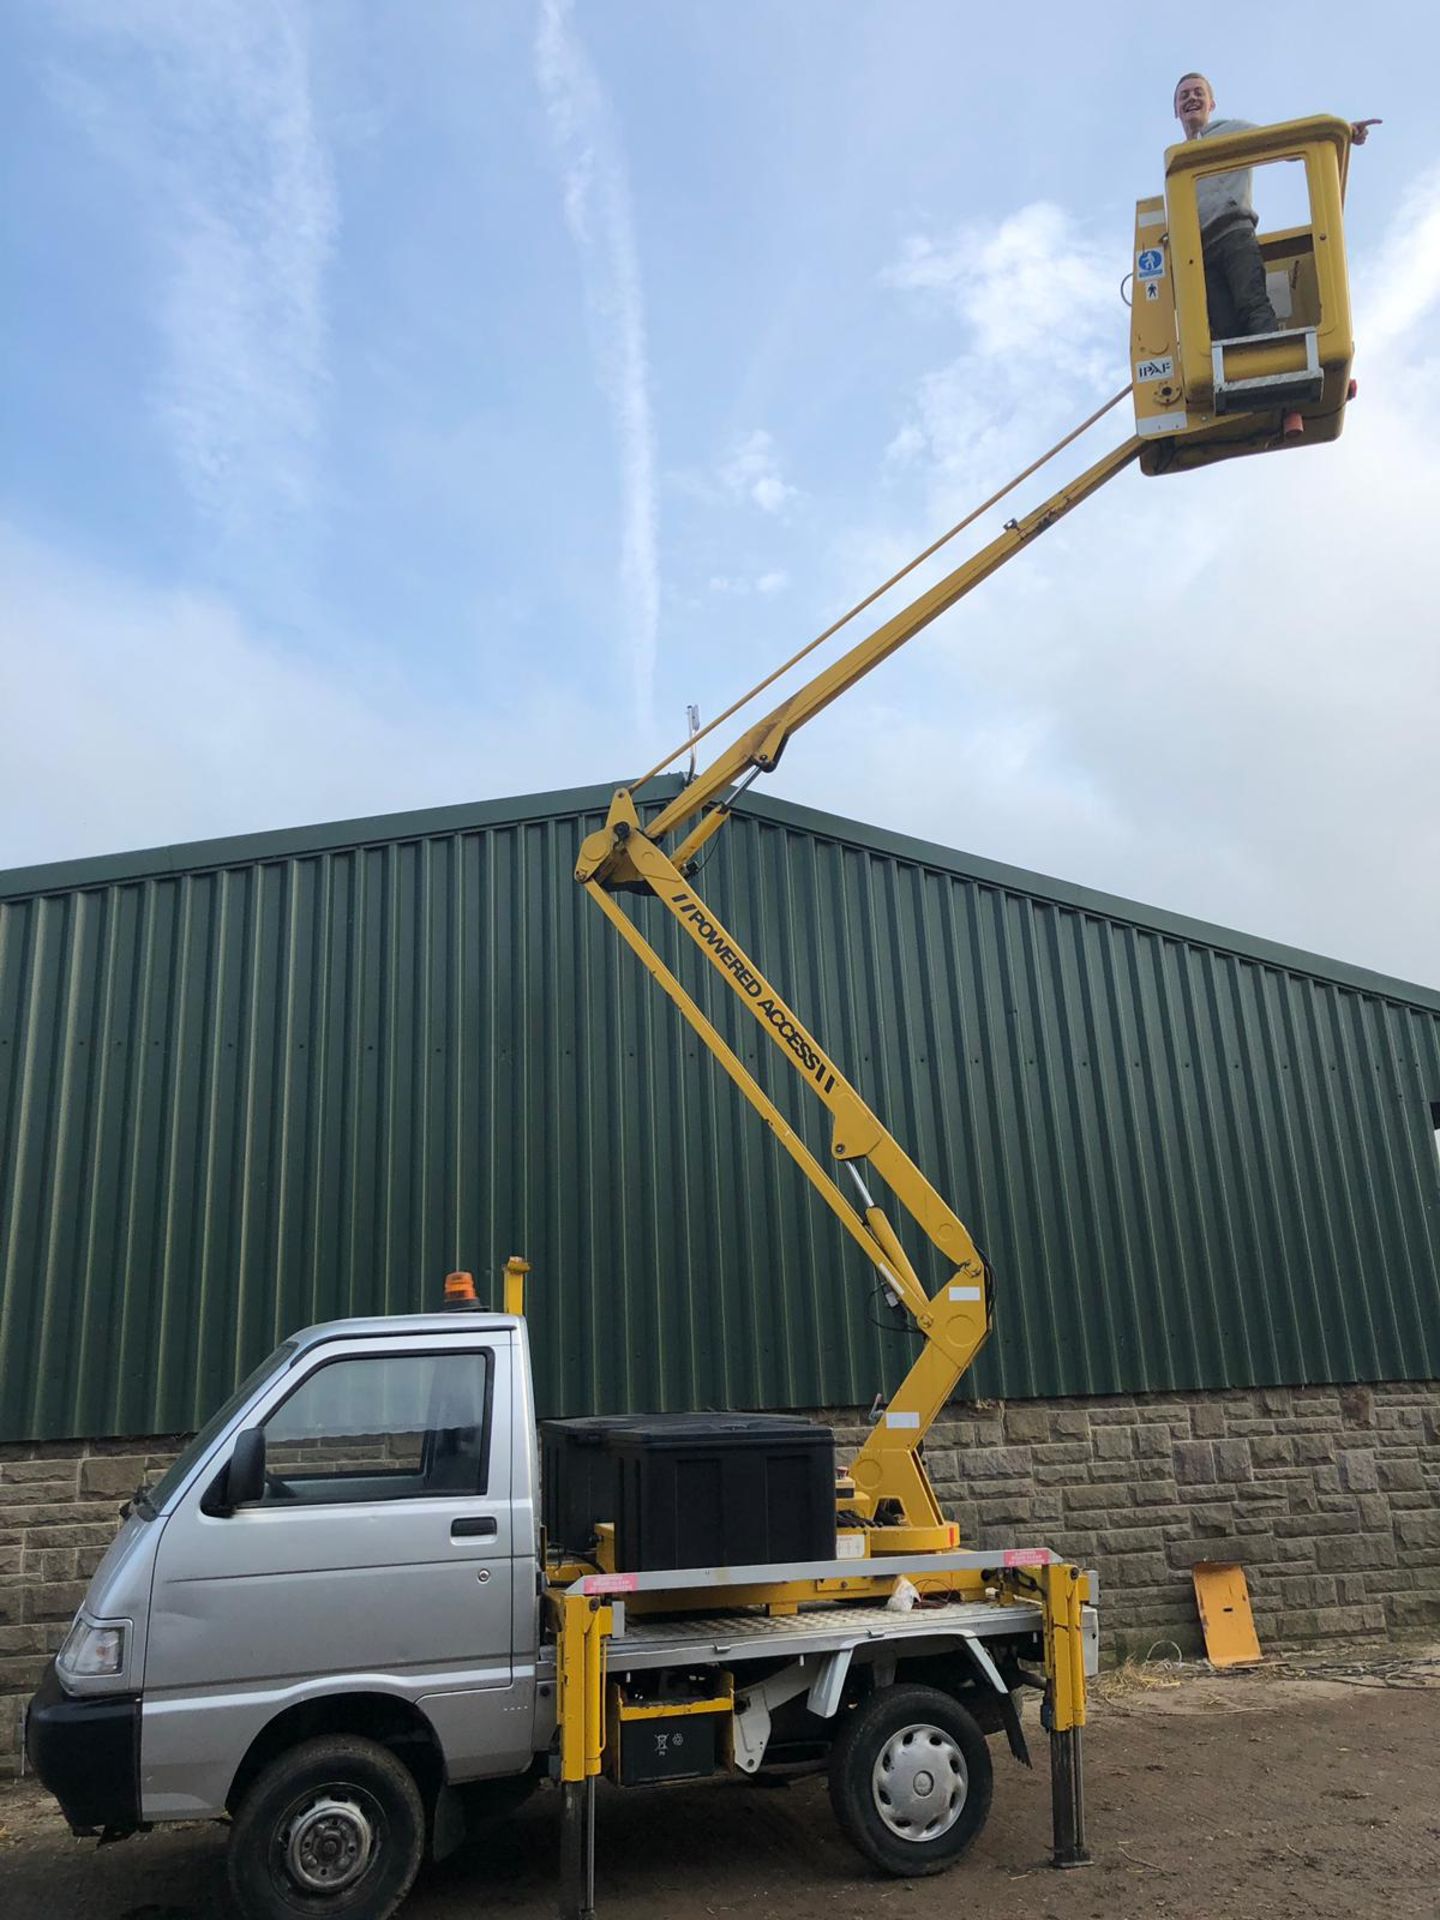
(328, 1844)
(920, 1783)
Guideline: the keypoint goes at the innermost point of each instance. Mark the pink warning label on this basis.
(611, 1583)
(1026, 1557)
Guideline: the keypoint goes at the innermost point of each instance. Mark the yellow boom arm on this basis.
(890, 1481)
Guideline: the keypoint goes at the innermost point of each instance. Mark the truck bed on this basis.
(720, 1638)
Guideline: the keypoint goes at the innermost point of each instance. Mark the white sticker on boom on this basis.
(902, 1419)
(1162, 423)
(964, 1293)
(850, 1546)
(1160, 368)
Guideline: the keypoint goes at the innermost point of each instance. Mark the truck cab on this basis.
(348, 1550)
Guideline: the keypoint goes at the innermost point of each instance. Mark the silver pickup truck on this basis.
(330, 1623)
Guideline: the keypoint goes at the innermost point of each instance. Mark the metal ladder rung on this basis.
(1233, 396)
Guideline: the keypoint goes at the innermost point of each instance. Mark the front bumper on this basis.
(87, 1752)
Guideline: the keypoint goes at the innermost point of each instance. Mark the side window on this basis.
(405, 1426)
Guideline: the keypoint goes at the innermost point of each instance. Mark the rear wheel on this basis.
(332, 1830)
(910, 1780)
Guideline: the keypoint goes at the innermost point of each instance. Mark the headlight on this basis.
(92, 1653)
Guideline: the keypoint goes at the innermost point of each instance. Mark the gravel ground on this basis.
(1260, 1795)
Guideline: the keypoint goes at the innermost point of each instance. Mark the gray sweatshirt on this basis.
(1223, 199)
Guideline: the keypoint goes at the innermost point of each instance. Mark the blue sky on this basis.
(412, 404)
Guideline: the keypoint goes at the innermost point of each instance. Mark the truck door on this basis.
(382, 1548)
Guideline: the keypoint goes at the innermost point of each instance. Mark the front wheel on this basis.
(910, 1780)
(332, 1830)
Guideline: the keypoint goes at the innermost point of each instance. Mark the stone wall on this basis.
(1329, 1497)
(59, 1510)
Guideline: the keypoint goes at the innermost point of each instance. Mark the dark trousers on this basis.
(1235, 286)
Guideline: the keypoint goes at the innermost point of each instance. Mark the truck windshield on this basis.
(151, 1500)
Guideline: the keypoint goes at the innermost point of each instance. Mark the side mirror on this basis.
(245, 1476)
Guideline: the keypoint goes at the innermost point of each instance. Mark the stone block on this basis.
(22, 1673)
(1070, 1423)
(1357, 1406)
(1357, 1471)
(1184, 1554)
(1114, 1443)
(1016, 1510)
(1125, 1540)
(1061, 1453)
(1272, 1450)
(1133, 1570)
(1347, 1552)
(998, 1463)
(115, 1477)
(1374, 1512)
(1152, 1441)
(1232, 1460)
(1276, 1402)
(1406, 1420)
(48, 1471)
(1313, 1526)
(942, 1464)
(1207, 1419)
(1027, 1423)
(1193, 1462)
(1399, 1475)
(1409, 1610)
(55, 1602)
(1327, 1479)
(1418, 1529)
(1314, 1449)
(1084, 1498)
(45, 1565)
(1156, 1490)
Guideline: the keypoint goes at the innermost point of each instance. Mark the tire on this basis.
(291, 1859)
(910, 1780)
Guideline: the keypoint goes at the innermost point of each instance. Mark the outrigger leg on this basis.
(1067, 1800)
(577, 1850)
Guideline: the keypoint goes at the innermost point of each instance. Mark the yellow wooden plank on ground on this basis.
(1224, 1602)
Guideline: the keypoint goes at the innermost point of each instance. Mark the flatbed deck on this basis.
(716, 1638)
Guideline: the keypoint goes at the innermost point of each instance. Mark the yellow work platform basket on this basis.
(1198, 398)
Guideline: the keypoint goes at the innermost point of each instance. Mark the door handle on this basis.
(480, 1526)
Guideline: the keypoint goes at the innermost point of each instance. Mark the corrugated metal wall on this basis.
(247, 1086)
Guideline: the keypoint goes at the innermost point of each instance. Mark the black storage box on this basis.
(579, 1479)
(691, 1489)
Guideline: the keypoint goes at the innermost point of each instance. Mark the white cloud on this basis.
(753, 473)
(223, 146)
(138, 716)
(773, 582)
(1218, 691)
(598, 212)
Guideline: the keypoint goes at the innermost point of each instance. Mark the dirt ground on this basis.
(1259, 1795)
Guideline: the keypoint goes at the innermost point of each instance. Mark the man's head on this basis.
(1194, 103)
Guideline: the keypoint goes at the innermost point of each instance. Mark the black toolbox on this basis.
(691, 1489)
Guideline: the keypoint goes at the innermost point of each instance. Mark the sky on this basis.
(407, 405)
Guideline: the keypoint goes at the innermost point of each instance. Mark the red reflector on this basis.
(1352, 390)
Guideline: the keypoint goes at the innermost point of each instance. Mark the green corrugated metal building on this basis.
(253, 1083)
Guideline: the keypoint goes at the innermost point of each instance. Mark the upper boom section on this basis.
(604, 858)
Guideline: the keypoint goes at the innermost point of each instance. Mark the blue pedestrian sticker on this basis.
(1150, 264)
